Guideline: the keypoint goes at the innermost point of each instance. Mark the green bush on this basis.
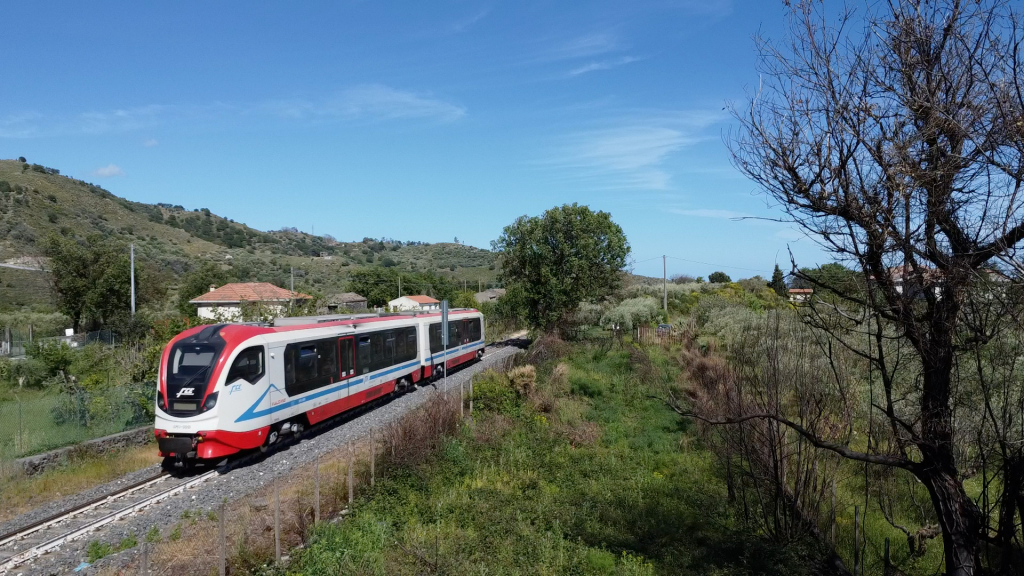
(493, 393)
(55, 356)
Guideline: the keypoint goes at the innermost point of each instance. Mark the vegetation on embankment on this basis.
(571, 469)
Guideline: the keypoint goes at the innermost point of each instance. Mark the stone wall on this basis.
(31, 465)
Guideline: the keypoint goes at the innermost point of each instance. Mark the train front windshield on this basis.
(188, 371)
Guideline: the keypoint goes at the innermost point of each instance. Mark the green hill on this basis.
(170, 240)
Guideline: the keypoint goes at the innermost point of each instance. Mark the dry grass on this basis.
(20, 493)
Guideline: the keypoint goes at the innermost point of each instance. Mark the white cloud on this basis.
(363, 102)
(603, 65)
(108, 171)
(585, 46)
(710, 213)
(368, 101)
(150, 143)
(634, 154)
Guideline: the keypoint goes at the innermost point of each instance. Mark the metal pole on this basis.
(471, 397)
(373, 459)
(664, 283)
(21, 440)
(223, 566)
(133, 278)
(277, 524)
(399, 285)
(292, 288)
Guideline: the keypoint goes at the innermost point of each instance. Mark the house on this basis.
(414, 303)
(489, 295)
(346, 300)
(800, 295)
(226, 302)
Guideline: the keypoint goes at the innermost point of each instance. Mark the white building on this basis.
(414, 303)
(225, 303)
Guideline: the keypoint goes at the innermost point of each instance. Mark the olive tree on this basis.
(568, 255)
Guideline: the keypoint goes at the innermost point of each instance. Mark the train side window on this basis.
(306, 366)
(400, 346)
(377, 347)
(364, 355)
(454, 338)
(435, 338)
(346, 358)
(474, 330)
(389, 349)
(248, 366)
(410, 347)
(327, 373)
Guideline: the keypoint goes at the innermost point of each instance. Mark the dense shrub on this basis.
(632, 312)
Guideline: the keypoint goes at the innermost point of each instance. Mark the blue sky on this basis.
(412, 120)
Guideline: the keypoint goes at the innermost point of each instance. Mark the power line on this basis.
(703, 263)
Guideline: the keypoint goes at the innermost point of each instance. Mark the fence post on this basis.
(351, 475)
(373, 459)
(21, 439)
(856, 542)
(277, 524)
(462, 398)
(223, 566)
(31, 333)
(471, 397)
(144, 563)
(316, 492)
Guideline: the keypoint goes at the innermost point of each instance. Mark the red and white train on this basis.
(226, 388)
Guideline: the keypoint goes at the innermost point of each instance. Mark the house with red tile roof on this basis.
(225, 303)
(419, 302)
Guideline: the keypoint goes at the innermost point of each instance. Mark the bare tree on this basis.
(896, 139)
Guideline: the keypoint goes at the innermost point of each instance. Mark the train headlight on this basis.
(160, 401)
(211, 401)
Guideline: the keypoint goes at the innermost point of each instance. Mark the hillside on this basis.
(36, 201)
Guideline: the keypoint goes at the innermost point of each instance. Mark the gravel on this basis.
(242, 479)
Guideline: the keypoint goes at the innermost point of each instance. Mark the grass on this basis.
(19, 493)
(588, 476)
(27, 423)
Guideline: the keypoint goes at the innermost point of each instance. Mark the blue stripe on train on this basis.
(254, 412)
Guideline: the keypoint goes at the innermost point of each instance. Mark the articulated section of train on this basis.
(227, 388)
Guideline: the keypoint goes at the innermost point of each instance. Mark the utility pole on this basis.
(133, 278)
(399, 285)
(664, 283)
(292, 295)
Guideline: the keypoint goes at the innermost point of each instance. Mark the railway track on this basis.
(26, 544)
(30, 542)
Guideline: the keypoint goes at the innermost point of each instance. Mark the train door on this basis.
(346, 360)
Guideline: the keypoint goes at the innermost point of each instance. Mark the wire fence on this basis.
(261, 528)
(35, 421)
(14, 342)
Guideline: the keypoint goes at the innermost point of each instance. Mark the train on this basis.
(230, 388)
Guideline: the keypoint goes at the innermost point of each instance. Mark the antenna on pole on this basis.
(133, 277)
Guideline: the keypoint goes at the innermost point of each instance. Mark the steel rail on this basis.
(54, 543)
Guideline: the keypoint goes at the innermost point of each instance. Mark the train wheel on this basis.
(479, 354)
(402, 386)
(271, 438)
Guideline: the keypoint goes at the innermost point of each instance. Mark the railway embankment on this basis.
(163, 520)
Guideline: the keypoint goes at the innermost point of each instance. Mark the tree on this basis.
(778, 283)
(568, 255)
(900, 150)
(91, 280)
(719, 278)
